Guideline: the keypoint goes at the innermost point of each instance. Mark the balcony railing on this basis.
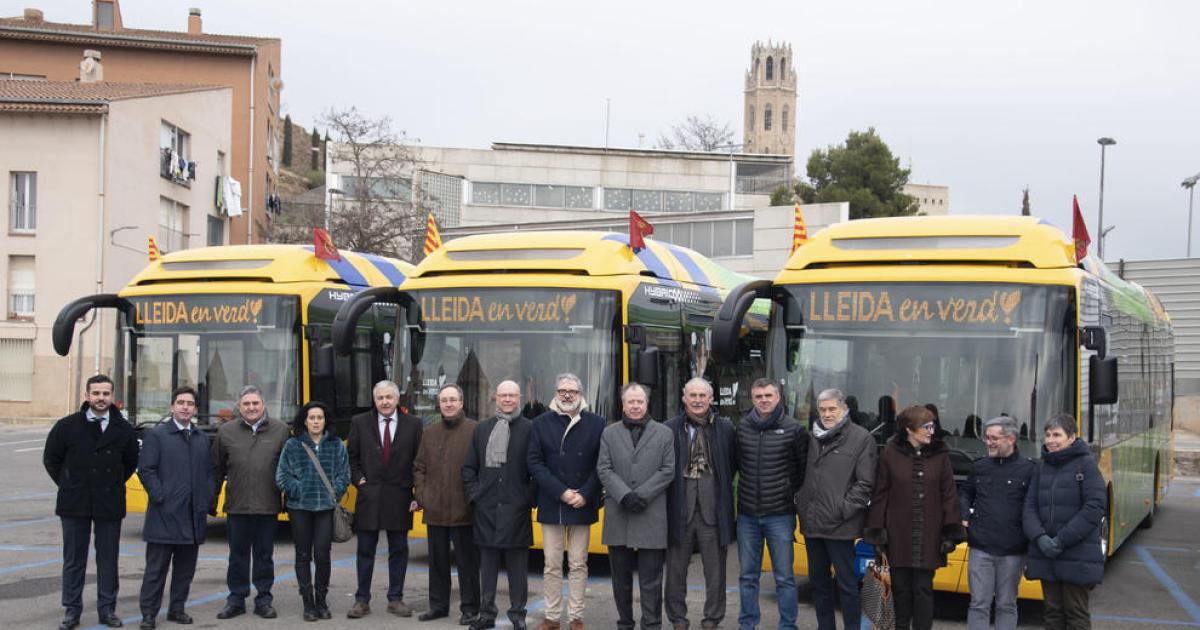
(22, 217)
(21, 304)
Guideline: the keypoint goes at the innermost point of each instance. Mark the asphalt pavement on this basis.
(1152, 582)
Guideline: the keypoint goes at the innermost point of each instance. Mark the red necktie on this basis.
(387, 441)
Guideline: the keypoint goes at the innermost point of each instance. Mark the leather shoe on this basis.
(358, 610)
(266, 611)
(430, 615)
(400, 609)
(518, 624)
(147, 623)
(467, 619)
(229, 612)
(179, 617)
(68, 623)
(483, 624)
(111, 620)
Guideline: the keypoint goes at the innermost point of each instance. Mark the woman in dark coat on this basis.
(309, 502)
(914, 514)
(1066, 501)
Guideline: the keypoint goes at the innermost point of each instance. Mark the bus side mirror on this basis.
(1102, 380)
(648, 366)
(1094, 338)
(727, 327)
(323, 362)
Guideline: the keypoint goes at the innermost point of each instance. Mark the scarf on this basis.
(496, 453)
(820, 432)
(697, 464)
(761, 424)
(636, 428)
(452, 421)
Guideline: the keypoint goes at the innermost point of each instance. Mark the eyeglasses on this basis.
(988, 438)
(929, 426)
(568, 392)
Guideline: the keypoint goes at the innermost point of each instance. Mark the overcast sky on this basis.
(986, 98)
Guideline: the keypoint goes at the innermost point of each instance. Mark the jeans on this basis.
(993, 577)
(778, 533)
(312, 535)
(251, 541)
(76, 533)
(1066, 606)
(823, 554)
(368, 542)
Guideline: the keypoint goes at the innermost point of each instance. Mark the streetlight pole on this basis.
(732, 172)
(1190, 184)
(1104, 143)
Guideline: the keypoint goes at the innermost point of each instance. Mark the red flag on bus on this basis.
(323, 245)
(799, 231)
(639, 229)
(1079, 232)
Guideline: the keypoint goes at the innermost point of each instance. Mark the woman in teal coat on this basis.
(309, 502)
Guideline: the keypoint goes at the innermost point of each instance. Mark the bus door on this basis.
(658, 356)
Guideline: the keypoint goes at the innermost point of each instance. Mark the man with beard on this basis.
(501, 493)
(438, 487)
(563, 449)
(89, 455)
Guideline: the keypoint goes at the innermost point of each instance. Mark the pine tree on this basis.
(315, 141)
(287, 140)
(1025, 203)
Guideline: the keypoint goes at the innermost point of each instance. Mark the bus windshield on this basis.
(973, 351)
(215, 343)
(478, 337)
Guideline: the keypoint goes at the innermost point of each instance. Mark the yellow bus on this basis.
(980, 317)
(219, 318)
(530, 305)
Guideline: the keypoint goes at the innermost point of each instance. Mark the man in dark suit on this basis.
(89, 455)
(383, 446)
(175, 467)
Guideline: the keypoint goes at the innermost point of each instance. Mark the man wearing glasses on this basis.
(991, 503)
(563, 448)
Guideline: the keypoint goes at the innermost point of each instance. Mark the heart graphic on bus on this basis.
(1008, 303)
(255, 308)
(568, 303)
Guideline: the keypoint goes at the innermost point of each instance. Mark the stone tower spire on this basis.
(770, 112)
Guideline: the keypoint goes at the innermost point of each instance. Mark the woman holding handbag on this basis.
(913, 516)
(313, 473)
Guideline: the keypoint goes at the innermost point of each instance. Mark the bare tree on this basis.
(696, 134)
(380, 208)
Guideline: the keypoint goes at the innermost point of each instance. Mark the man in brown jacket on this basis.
(438, 486)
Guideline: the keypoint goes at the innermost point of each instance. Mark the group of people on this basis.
(695, 482)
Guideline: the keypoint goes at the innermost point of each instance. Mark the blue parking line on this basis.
(1143, 620)
(1196, 493)
(1168, 583)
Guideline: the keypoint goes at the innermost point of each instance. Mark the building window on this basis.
(618, 199)
(377, 187)
(22, 202)
(750, 117)
(216, 231)
(175, 146)
(711, 238)
(445, 193)
(485, 194)
(767, 117)
(22, 288)
(578, 197)
(16, 369)
(784, 119)
(535, 195)
(515, 195)
(755, 68)
(172, 225)
(770, 69)
(104, 15)
(783, 68)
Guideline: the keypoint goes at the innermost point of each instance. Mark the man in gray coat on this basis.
(175, 468)
(635, 466)
(246, 453)
(833, 505)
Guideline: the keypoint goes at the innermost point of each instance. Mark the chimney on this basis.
(90, 69)
(194, 21)
(34, 15)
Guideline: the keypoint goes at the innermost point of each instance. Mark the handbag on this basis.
(876, 600)
(343, 520)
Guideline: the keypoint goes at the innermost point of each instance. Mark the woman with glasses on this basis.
(914, 517)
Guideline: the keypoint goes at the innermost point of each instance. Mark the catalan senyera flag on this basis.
(433, 240)
(323, 246)
(799, 232)
(152, 250)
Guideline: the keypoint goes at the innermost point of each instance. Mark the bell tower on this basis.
(770, 110)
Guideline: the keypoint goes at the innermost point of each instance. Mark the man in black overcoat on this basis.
(382, 447)
(89, 455)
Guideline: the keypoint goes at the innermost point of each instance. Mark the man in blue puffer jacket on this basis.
(1066, 502)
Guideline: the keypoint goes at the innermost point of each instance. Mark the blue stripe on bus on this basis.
(649, 259)
(693, 268)
(392, 272)
(345, 270)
